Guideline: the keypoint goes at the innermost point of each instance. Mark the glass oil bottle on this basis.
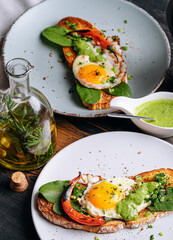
(28, 135)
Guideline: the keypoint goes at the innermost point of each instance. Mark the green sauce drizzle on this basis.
(127, 207)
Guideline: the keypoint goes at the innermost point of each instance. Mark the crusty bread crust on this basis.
(112, 226)
(105, 99)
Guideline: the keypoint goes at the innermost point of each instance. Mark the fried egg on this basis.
(100, 197)
(100, 75)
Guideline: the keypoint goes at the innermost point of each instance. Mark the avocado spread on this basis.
(82, 48)
(127, 207)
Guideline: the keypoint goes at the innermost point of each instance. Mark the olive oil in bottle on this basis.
(28, 136)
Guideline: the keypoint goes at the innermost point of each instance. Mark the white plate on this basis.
(148, 55)
(106, 154)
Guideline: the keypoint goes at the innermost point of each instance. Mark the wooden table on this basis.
(15, 211)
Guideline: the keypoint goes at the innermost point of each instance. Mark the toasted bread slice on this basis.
(112, 226)
(105, 99)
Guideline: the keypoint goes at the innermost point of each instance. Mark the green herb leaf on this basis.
(122, 89)
(166, 203)
(57, 34)
(53, 190)
(88, 95)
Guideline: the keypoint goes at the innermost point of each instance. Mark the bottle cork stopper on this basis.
(18, 182)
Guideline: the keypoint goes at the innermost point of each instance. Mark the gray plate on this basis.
(147, 57)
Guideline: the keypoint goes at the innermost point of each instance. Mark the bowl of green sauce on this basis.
(158, 106)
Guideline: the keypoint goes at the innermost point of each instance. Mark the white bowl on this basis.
(128, 106)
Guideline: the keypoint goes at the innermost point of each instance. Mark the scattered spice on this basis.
(50, 54)
(44, 78)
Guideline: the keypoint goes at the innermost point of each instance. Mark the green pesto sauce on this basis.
(127, 207)
(82, 48)
(161, 110)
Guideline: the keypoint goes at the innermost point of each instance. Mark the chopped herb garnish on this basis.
(112, 193)
(150, 226)
(103, 30)
(160, 233)
(120, 30)
(72, 25)
(93, 26)
(151, 237)
(115, 38)
(103, 81)
(114, 69)
(138, 178)
(102, 66)
(96, 238)
(147, 214)
(69, 54)
(97, 73)
(96, 188)
(129, 77)
(73, 197)
(124, 48)
(103, 211)
(100, 51)
(80, 63)
(125, 21)
(111, 79)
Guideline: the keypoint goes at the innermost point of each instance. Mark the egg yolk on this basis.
(104, 195)
(93, 74)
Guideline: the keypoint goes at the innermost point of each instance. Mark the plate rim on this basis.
(90, 115)
(33, 196)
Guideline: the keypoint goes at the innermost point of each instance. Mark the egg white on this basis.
(108, 64)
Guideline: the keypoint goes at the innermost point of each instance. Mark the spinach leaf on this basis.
(122, 89)
(57, 207)
(77, 207)
(57, 34)
(88, 95)
(166, 203)
(53, 190)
